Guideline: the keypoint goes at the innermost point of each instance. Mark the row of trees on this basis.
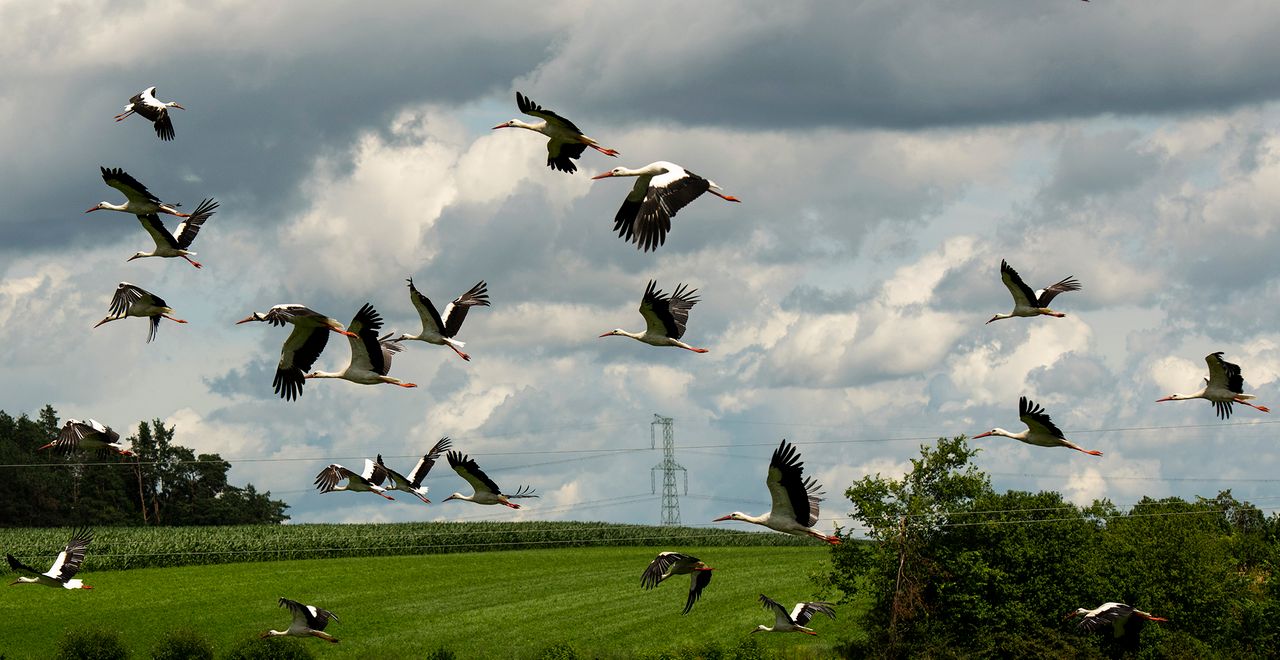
(164, 483)
(956, 569)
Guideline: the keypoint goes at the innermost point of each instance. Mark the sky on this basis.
(889, 155)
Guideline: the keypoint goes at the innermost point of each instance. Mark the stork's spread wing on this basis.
(1223, 374)
(73, 431)
(366, 351)
(667, 315)
(1022, 294)
(126, 295)
(308, 615)
(131, 187)
(532, 109)
(781, 618)
(19, 567)
(666, 195)
(68, 562)
(456, 311)
(794, 496)
(652, 575)
(469, 470)
(1106, 618)
(186, 232)
(388, 347)
(398, 481)
(163, 124)
(803, 612)
(429, 459)
(1035, 417)
(698, 581)
(329, 477)
(152, 223)
(374, 473)
(560, 155)
(297, 355)
(1047, 294)
(431, 322)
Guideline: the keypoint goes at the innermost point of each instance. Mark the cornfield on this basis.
(116, 548)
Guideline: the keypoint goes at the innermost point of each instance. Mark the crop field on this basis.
(511, 604)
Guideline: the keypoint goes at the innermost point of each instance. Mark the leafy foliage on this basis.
(91, 644)
(271, 648)
(183, 644)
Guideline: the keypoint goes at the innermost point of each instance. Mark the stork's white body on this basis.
(795, 498)
(1223, 387)
(1041, 431)
(370, 354)
(797, 619)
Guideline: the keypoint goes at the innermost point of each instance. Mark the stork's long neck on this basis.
(759, 520)
(1016, 436)
(113, 207)
(323, 374)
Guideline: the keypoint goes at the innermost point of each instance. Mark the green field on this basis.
(480, 605)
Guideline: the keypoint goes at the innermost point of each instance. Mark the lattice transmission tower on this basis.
(670, 498)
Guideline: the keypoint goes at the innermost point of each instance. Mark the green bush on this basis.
(560, 651)
(748, 649)
(183, 644)
(91, 644)
(442, 653)
(271, 648)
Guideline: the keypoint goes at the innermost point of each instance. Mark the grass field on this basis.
(508, 604)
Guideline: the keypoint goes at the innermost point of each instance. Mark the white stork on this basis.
(147, 105)
(1041, 431)
(665, 317)
(1116, 615)
(175, 244)
(660, 191)
(132, 300)
(1031, 303)
(64, 567)
(1223, 387)
(566, 141)
(795, 621)
(366, 482)
(138, 200)
(668, 564)
(441, 329)
(308, 621)
(795, 498)
(486, 491)
(89, 435)
(310, 334)
(413, 482)
(370, 355)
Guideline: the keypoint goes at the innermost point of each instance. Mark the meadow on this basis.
(511, 604)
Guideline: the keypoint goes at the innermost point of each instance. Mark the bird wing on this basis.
(1105, 618)
(163, 124)
(426, 311)
(794, 496)
(186, 232)
(1223, 374)
(308, 615)
(299, 352)
(666, 194)
(429, 459)
(467, 469)
(560, 154)
(19, 567)
(125, 297)
(68, 562)
(329, 477)
(656, 310)
(657, 568)
(398, 481)
(374, 473)
(532, 109)
(781, 618)
(624, 222)
(70, 435)
(1047, 294)
(154, 226)
(803, 613)
(1036, 418)
(1022, 294)
(147, 105)
(698, 581)
(366, 351)
(456, 311)
(388, 347)
(132, 189)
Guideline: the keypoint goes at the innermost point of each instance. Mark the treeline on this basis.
(164, 483)
(959, 570)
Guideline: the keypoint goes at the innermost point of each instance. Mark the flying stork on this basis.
(175, 244)
(1041, 431)
(64, 567)
(795, 621)
(87, 435)
(660, 191)
(1031, 303)
(486, 491)
(1223, 387)
(308, 621)
(366, 482)
(665, 317)
(306, 341)
(795, 498)
(132, 300)
(566, 141)
(441, 329)
(413, 483)
(147, 105)
(1116, 615)
(138, 200)
(370, 354)
(668, 564)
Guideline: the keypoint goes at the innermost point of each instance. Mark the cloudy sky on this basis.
(888, 156)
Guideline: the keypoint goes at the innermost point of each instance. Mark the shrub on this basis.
(560, 651)
(271, 648)
(183, 644)
(91, 644)
(442, 653)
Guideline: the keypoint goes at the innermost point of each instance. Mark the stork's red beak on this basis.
(499, 126)
(1168, 398)
(722, 518)
(246, 319)
(178, 106)
(92, 210)
(981, 435)
(602, 176)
